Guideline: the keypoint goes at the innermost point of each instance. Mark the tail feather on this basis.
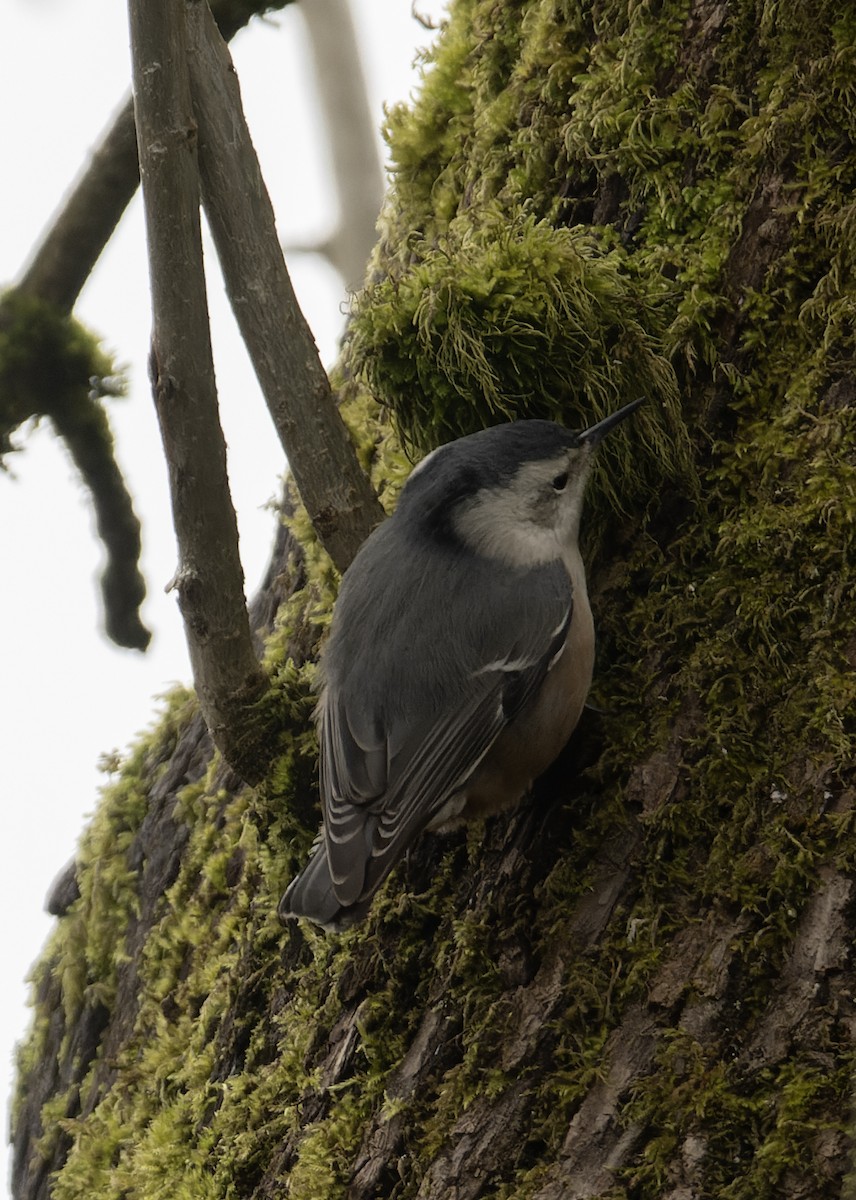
(311, 895)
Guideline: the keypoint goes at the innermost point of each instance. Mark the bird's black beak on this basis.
(596, 433)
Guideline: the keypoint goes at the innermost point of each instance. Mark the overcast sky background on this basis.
(67, 695)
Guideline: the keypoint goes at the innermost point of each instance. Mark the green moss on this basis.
(192, 970)
(427, 142)
(751, 606)
(773, 1127)
(504, 319)
(49, 363)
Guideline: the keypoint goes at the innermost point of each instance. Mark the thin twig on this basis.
(337, 494)
(209, 579)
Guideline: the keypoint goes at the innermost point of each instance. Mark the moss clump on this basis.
(506, 318)
(49, 363)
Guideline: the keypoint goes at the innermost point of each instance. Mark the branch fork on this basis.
(194, 143)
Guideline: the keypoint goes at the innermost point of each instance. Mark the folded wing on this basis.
(385, 775)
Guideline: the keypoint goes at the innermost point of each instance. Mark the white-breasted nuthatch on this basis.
(460, 655)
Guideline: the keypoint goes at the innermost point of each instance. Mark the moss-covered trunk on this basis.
(641, 984)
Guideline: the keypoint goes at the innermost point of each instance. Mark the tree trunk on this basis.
(640, 984)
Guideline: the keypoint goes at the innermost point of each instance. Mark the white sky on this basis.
(67, 695)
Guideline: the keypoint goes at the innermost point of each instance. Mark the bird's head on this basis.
(512, 492)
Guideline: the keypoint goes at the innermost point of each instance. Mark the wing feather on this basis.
(383, 778)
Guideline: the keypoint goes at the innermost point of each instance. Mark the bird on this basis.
(459, 657)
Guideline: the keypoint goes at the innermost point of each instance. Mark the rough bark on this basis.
(642, 983)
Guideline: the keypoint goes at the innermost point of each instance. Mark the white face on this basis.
(535, 518)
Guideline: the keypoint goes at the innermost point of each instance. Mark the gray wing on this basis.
(383, 781)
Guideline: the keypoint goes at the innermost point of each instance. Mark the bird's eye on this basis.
(561, 481)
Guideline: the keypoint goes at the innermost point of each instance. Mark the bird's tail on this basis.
(311, 895)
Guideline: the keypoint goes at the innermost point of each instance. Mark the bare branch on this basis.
(55, 275)
(336, 492)
(57, 272)
(71, 246)
(209, 578)
(73, 242)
